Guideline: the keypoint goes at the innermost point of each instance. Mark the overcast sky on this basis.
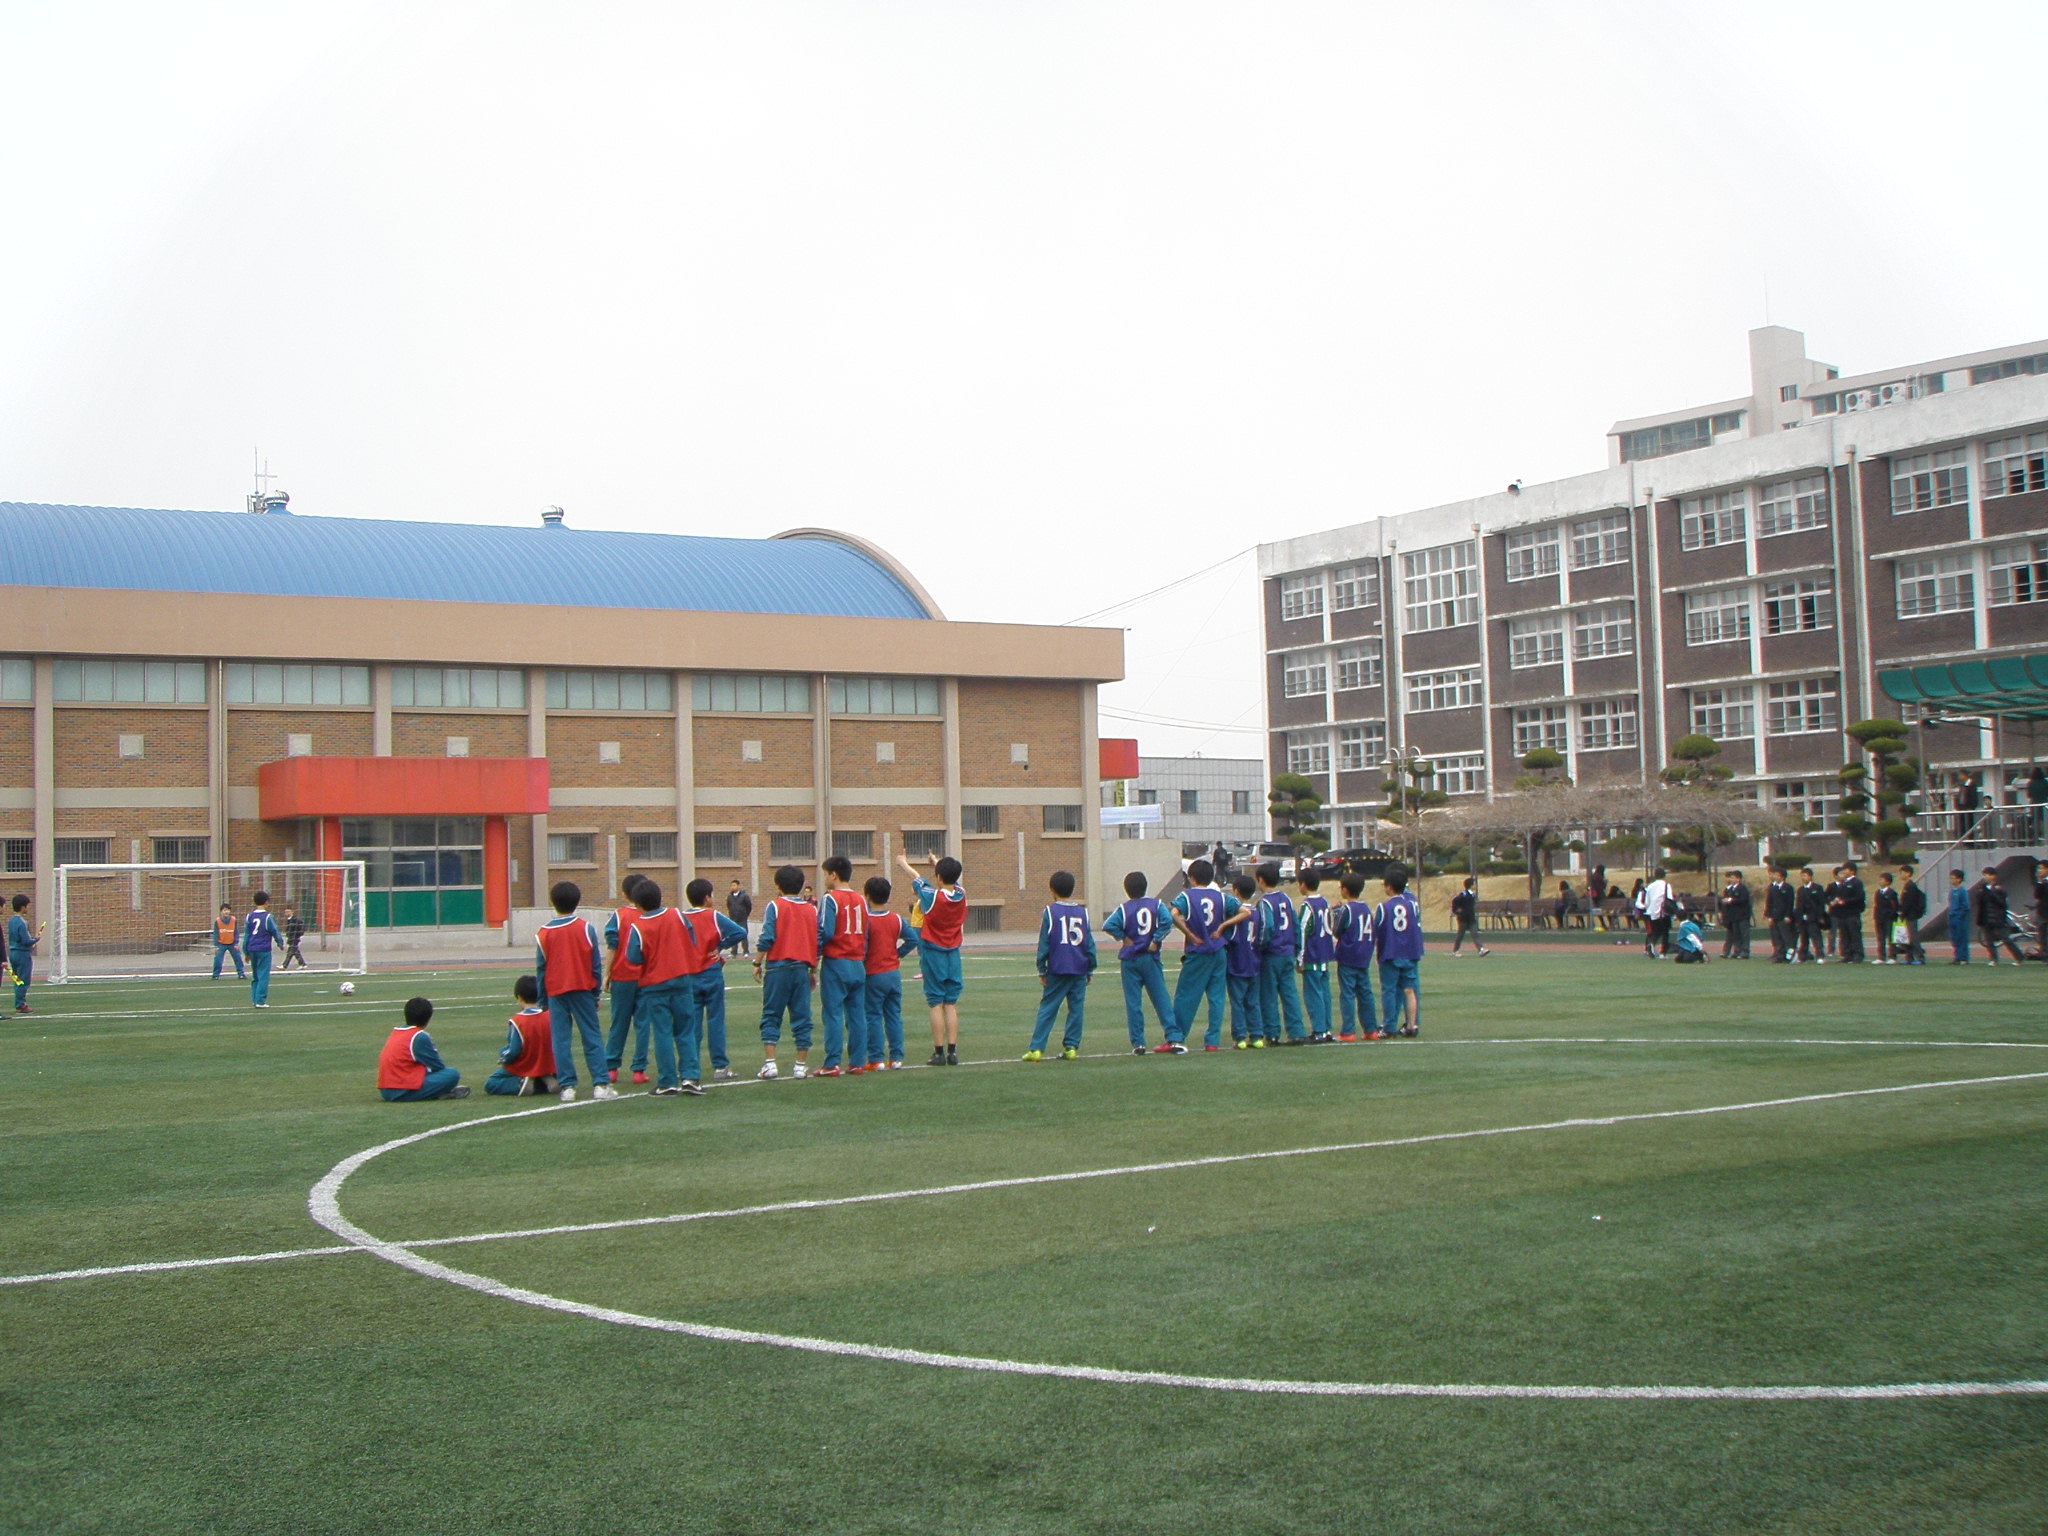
(1059, 302)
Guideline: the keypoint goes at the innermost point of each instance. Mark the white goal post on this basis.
(131, 920)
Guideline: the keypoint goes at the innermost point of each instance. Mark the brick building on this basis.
(479, 711)
(1747, 569)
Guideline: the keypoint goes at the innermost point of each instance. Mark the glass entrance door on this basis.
(424, 871)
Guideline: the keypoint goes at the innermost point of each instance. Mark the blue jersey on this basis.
(1241, 945)
(259, 932)
(1141, 923)
(1203, 908)
(1066, 944)
(1352, 922)
(1398, 932)
(1279, 927)
(1317, 947)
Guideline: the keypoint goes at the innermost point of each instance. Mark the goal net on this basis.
(115, 920)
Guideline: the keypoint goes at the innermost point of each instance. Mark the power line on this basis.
(1156, 591)
(1178, 724)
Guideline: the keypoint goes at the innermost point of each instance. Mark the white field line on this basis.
(166, 1265)
(324, 1206)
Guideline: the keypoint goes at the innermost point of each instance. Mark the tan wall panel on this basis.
(785, 752)
(426, 735)
(257, 736)
(1045, 716)
(647, 751)
(920, 753)
(17, 747)
(88, 748)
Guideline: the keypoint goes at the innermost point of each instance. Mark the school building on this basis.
(1762, 570)
(479, 711)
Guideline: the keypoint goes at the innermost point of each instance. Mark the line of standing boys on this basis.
(1243, 952)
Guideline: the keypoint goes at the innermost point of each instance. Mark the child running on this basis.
(1141, 925)
(944, 909)
(1066, 957)
(526, 1061)
(785, 963)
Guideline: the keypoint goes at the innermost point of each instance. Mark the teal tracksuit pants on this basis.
(664, 1011)
(1315, 996)
(1201, 976)
(786, 988)
(1354, 999)
(1279, 998)
(1073, 992)
(1145, 977)
(843, 988)
(885, 1016)
(625, 1016)
(1244, 1008)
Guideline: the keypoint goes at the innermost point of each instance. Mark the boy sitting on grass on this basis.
(526, 1064)
(410, 1067)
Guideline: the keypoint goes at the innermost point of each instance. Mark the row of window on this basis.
(1365, 746)
(1538, 641)
(1722, 517)
(2013, 573)
(1791, 606)
(1603, 725)
(1348, 587)
(1190, 800)
(1356, 666)
(1796, 707)
(18, 854)
(2009, 466)
(1678, 436)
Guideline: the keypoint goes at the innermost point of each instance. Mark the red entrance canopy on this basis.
(402, 786)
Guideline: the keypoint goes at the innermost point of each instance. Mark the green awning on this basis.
(2012, 687)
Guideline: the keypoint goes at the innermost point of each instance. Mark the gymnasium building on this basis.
(479, 711)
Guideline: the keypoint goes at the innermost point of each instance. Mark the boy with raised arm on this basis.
(1140, 926)
(785, 963)
(1066, 958)
(944, 909)
(1199, 913)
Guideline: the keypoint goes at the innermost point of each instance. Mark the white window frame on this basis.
(1460, 773)
(1923, 481)
(1301, 597)
(1607, 725)
(1799, 605)
(1713, 520)
(1308, 752)
(1303, 673)
(1440, 586)
(1792, 506)
(2018, 572)
(1936, 584)
(1803, 706)
(1354, 586)
(1532, 552)
(1799, 797)
(1452, 688)
(1726, 714)
(1350, 748)
(1541, 725)
(1536, 642)
(1613, 623)
(2015, 465)
(1602, 540)
(1719, 615)
(1360, 665)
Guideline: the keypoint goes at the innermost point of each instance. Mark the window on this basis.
(1358, 666)
(1301, 597)
(987, 820)
(1605, 724)
(269, 682)
(614, 690)
(882, 695)
(1354, 586)
(750, 693)
(1677, 436)
(2016, 464)
(1191, 802)
(1787, 506)
(1930, 480)
(927, 844)
(1057, 819)
(1148, 797)
(718, 847)
(81, 850)
(2019, 572)
(1726, 714)
(1460, 774)
(1938, 584)
(792, 847)
(128, 682)
(650, 847)
(456, 688)
(1542, 725)
(1240, 802)
(1712, 617)
(1536, 642)
(17, 680)
(572, 847)
(178, 850)
(983, 918)
(857, 846)
(17, 855)
(1808, 798)
(1801, 707)
(1707, 521)
(2010, 367)
(1308, 752)
(1304, 672)
(1442, 690)
(1788, 391)
(1609, 630)
(1792, 606)
(1358, 746)
(1600, 540)
(1441, 586)
(1532, 552)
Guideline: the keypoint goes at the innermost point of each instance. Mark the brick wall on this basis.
(647, 751)
(87, 748)
(426, 733)
(920, 754)
(1044, 716)
(257, 736)
(785, 752)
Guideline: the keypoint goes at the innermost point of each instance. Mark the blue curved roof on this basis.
(287, 555)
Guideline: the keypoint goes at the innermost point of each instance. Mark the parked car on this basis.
(1367, 863)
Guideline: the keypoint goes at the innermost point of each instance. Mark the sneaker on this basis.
(896, 1066)
(1175, 1048)
(693, 1088)
(799, 1071)
(938, 1059)
(1139, 1050)
(1032, 1056)
(604, 1091)
(638, 1076)
(459, 1091)
(952, 1056)
(828, 1072)
(1347, 1037)
(1325, 1038)
(1212, 1047)
(723, 1075)
(569, 1095)
(1241, 1045)
(1163, 1048)
(664, 1093)
(545, 1084)
(612, 1076)
(525, 1088)
(1259, 1044)
(1071, 1053)
(767, 1074)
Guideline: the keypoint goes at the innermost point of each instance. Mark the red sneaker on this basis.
(1212, 1047)
(1347, 1037)
(1162, 1050)
(827, 1072)
(611, 1077)
(638, 1077)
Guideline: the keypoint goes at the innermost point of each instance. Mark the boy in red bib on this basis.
(526, 1062)
(785, 962)
(568, 966)
(409, 1067)
(843, 967)
(625, 988)
(889, 940)
(944, 907)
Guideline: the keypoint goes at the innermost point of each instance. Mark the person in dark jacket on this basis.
(1465, 916)
(1810, 903)
(739, 906)
(1848, 907)
(1780, 912)
(1884, 912)
(1992, 917)
(1737, 907)
(1912, 912)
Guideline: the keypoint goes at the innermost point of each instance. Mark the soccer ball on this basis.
(347, 989)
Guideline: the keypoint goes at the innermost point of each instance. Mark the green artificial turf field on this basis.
(1874, 1239)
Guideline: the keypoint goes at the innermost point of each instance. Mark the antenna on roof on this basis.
(552, 517)
(258, 500)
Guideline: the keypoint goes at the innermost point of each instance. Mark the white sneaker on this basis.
(767, 1073)
(568, 1095)
(722, 1075)
(604, 1091)
(800, 1070)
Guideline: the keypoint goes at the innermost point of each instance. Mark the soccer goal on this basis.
(128, 920)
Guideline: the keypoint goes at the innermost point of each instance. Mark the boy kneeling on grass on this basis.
(410, 1067)
(526, 1064)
